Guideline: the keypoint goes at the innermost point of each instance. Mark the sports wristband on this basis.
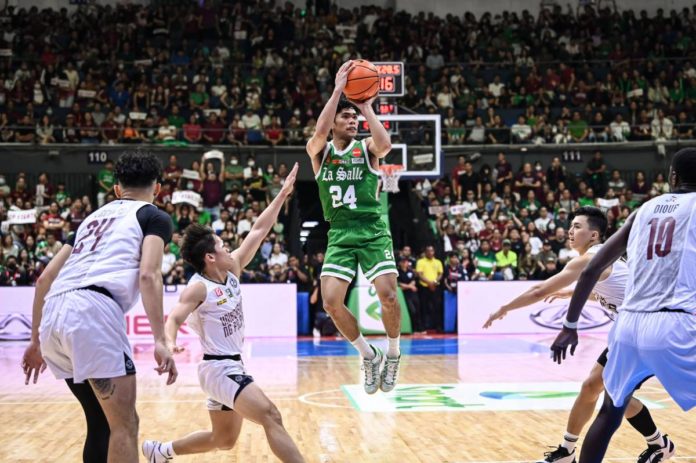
(570, 325)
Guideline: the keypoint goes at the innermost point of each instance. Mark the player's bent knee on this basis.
(331, 306)
(224, 442)
(388, 299)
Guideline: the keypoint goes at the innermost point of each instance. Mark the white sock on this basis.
(167, 448)
(363, 347)
(393, 350)
(570, 441)
(655, 439)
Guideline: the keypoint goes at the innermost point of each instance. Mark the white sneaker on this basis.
(559, 455)
(152, 450)
(390, 373)
(372, 375)
(658, 453)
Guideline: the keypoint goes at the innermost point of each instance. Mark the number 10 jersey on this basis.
(662, 255)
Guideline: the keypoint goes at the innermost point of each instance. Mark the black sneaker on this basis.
(560, 455)
(658, 453)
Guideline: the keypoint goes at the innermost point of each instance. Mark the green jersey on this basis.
(348, 184)
(106, 176)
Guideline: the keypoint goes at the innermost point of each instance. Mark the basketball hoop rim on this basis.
(391, 169)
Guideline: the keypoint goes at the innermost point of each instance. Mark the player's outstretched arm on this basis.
(246, 251)
(189, 300)
(610, 252)
(151, 289)
(379, 143)
(318, 140)
(32, 362)
(543, 289)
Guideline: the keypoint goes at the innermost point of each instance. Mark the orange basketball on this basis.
(363, 81)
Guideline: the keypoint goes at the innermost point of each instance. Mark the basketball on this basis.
(363, 81)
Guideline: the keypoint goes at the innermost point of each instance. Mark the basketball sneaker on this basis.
(372, 367)
(389, 373)
(152, 450)
(560, 455)
(655, 453)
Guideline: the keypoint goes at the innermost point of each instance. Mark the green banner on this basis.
(365, 306)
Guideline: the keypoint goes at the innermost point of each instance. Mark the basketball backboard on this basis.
(416, 143)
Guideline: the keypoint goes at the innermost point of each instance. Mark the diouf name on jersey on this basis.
(342, 174)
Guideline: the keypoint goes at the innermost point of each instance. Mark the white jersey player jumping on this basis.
(655, 333)
(212, 303)
(585, 234)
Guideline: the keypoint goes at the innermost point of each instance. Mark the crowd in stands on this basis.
(509, 225)
(257, 73)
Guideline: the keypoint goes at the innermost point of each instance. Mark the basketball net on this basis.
(390, 177)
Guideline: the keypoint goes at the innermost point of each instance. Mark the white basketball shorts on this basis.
(655, 343)
(83, 336)
(222, 380)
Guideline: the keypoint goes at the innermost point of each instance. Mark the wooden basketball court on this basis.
(461, 399)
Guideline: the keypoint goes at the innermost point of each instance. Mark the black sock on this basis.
(97, 441)
(643, 422)
(603, 428)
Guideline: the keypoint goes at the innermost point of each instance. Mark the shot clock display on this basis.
(391, 78)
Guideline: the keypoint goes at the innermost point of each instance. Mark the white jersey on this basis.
(662, 255)
(106, 254)
(219, 320)
(610, 291)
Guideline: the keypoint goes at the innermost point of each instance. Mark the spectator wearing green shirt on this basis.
(105, 179)
(484, 260)
(578, 129)
(175, 118)
(505, 262)
(174, 246)
(234, 174)
(588, 199)
(61, 194)
(530, 202)
(676, 93)
(198, 99)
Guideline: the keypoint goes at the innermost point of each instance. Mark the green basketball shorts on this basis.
(368, 244)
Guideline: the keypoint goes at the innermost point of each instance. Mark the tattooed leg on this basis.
(117, 399)
(104, 388)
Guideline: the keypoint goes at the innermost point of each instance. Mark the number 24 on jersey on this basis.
(339, 198)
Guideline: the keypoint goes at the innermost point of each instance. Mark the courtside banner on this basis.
(270, 310)
(476, 300)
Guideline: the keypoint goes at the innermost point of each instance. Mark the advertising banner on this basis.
(476, 300)
(264, 315)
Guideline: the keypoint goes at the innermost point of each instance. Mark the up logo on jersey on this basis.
(218, 292)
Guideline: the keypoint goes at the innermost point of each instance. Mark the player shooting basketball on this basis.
(347, 172)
